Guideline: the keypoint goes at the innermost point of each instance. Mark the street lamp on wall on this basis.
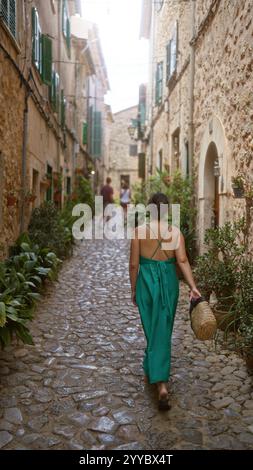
(132, 128)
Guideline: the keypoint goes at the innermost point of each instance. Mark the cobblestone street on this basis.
(81, 385)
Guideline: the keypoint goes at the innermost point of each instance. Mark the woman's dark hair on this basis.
(157, 199)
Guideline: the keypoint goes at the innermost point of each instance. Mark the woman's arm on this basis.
(184, 264)
(134, 264)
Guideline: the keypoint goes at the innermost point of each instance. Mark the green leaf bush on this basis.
(22, 276)
(226, 269)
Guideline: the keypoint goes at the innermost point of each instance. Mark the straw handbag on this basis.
(203, 321)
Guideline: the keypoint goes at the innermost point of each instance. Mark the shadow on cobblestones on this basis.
(81, 385)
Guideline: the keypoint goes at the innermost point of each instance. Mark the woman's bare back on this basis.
(153, 239)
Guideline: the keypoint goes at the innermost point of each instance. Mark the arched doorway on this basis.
(211, 189)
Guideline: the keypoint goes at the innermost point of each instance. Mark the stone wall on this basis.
(223, 91)
(166, 120)
(223, 100)
(120, 161)
(12, 102)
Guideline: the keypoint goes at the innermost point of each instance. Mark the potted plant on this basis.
(11, 199)
(218, 271)
(238, 186)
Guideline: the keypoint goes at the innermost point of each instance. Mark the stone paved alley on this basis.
(81, 385)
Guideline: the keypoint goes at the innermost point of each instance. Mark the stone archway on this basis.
(212, 190)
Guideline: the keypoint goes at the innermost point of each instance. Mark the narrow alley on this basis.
(81, 385)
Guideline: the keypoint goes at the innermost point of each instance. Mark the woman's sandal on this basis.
(163, 404)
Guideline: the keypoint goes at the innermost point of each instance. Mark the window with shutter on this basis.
(46, 59)
(36, 40)
(54, 91)
(159, 83)
(85, 133)
(49, 193)
(57, 92)
(133, 150)
(97, 134)
(173, 51)
(8, 13)
(68, 185)
(66, 25)
(63, 109)
(68, 38)
(141, 165)
(168, 48)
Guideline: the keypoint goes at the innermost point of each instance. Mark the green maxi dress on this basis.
(157, 291)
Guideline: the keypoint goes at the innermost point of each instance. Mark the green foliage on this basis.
(21, 280)
(84, 192)
(226, 270)
(50, 228)
(243, 305)
(217, 270)
(179, 190)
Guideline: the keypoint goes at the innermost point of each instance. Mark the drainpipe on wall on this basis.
(24, 161)
(153, 65)
(191, 89)
(74, 153)
(59, 71)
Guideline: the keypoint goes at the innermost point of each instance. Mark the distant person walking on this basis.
(125, 197)
(107, 194)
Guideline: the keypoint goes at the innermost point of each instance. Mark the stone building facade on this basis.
(45, 70)
(199, 105)
(123, 151)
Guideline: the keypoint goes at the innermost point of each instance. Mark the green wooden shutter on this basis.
(141, 165)
(63, 109)
(12, 16)
(57, 92)
(8, 13)
(46, 59)
(90, 129)
(173, 57)
(157, 85)
(168, 53)
(161, 82)
(97, 134)
(64, 18)
(85, 133)
(68, 36)
(35, 22)
(52, 91)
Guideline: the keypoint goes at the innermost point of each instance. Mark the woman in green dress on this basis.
(155, 290)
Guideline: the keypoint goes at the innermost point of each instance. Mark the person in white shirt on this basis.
(125, 197)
